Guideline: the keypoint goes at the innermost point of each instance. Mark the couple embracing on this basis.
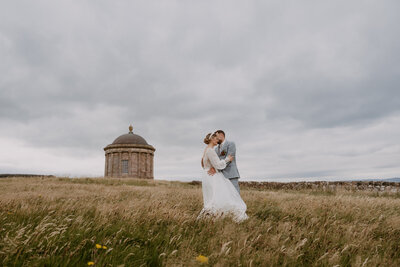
(220, 185)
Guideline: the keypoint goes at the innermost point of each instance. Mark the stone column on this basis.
(130, 164)
(109, 164)
(135, 159)
(151, 166)
(111, 168)
(105, 166)
(148, 175)
(145, 165)
(120, 164)
(115, 164)
(142, 165)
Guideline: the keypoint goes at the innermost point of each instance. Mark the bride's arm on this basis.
(215, 161)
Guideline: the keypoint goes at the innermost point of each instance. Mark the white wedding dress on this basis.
(220, 197)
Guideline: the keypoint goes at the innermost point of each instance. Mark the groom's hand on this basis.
(211, 171)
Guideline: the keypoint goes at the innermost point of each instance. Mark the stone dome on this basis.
(130, 138)
(129, 156)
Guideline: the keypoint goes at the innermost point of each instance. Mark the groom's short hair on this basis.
(221, 132)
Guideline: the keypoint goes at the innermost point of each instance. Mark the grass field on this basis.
(59, 222)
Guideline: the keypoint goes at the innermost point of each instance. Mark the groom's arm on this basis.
(231, 151)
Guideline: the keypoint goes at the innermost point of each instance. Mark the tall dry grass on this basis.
(59, 221)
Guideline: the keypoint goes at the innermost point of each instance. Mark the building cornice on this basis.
(112, 146)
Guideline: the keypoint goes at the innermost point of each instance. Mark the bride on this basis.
(220, 197)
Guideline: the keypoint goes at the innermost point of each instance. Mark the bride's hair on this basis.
(207, 139)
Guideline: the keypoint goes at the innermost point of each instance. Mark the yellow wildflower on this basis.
(90, 263)
(202, 259)
(104, 247)
(9, 212)
(98, 246)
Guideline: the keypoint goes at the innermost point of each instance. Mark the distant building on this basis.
(129, 156)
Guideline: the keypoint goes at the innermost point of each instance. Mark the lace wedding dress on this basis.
(220, 197)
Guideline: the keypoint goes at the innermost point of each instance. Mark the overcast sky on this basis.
(306, 89)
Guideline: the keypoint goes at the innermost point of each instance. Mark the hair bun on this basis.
(207, 139)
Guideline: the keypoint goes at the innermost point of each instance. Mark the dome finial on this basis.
(130, 128)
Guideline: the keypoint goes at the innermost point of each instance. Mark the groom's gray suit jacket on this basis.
(228, 148)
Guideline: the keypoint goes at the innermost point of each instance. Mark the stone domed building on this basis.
(129, 156)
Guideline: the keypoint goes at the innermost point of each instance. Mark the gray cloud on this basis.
(300, 87)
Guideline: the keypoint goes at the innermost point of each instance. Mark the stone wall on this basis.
(140, 162)
(328, 186)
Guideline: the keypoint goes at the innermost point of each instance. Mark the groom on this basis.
(224, 149)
